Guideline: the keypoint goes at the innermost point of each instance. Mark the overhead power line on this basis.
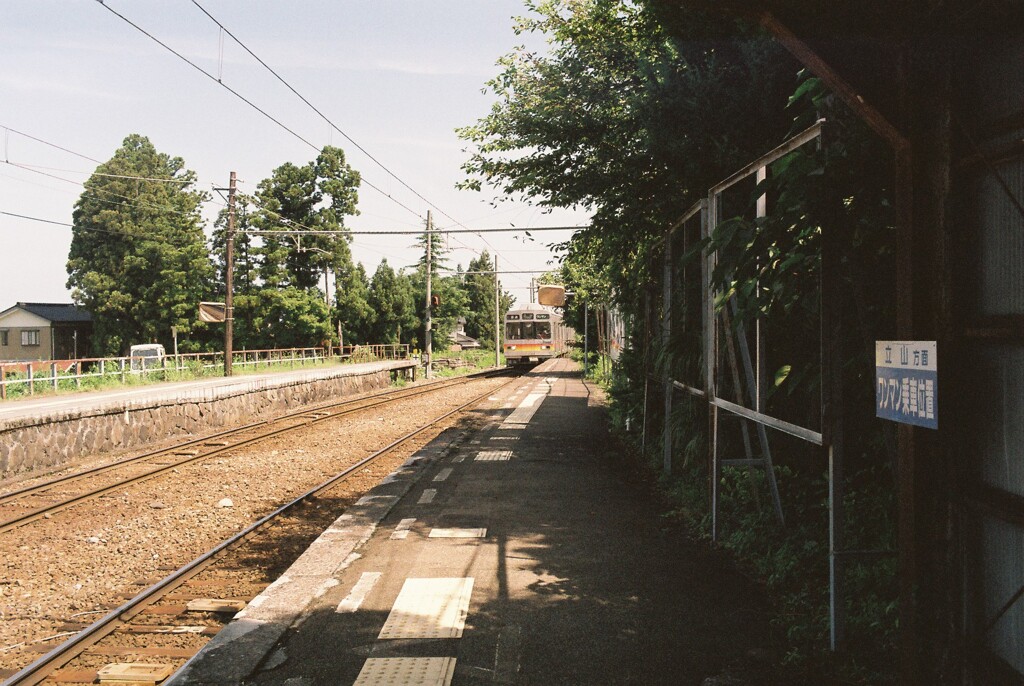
(407, 232)
(93, 229)
(241, 97)
(334, 126)
(34, 168)
(313, 107)
(225, 30)
(52, 145)
(125, 199)
(35, 219)
(30, 167)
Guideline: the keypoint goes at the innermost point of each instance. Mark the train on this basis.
(534, 333)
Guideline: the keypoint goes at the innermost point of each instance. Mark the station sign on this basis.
(907, 382)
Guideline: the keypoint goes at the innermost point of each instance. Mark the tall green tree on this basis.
(479, 289)
(317, 195)
(352, 308)
(282, 318)
(245, 265)
(625, 120)
(391, 300)
(447, 289)
(138, 259)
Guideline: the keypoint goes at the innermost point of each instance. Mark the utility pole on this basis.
(497, 315)
(229, 278)
(427, 348)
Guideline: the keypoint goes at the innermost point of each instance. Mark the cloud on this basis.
(30, 84)
(426, 69)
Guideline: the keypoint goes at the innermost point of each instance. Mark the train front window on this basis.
(518, 331)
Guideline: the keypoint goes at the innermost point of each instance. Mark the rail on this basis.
(27, 377)
(38, 671)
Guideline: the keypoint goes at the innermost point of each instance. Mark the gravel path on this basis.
(87, 558)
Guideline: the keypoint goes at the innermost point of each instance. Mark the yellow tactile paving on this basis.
(494, 456)
(429, 608)
(406, 671)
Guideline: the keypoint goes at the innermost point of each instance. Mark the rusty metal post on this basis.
(666, 334)
(710, 354)
(832, 356)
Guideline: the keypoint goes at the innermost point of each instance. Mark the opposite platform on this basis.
(51, 431)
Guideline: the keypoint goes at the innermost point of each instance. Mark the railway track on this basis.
(29, 504)
(167, 621)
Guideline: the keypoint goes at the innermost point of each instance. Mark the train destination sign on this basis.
(906, 382)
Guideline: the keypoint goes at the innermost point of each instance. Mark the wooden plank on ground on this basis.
(215, 605)
(73, 676)
(169, 629)
(134, 672)
(165, 609)
(121, 651)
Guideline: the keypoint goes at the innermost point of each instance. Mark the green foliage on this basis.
(318, 195)
(633, 114)
(391, 300)
(479, 290)
(245, 262)
(624, 119)
(448, 290)
(352, 306)
(282, 318)
(138, 259)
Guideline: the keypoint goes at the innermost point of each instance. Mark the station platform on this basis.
(47, 406)
(518, 555)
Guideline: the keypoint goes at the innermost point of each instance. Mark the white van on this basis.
(147, 356)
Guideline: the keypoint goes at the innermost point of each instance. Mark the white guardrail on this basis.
(20, 378)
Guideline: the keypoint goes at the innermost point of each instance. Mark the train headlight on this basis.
(511, 347)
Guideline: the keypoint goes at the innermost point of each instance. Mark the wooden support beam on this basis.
(836, 83)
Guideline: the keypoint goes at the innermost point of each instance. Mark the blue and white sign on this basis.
(907, 382)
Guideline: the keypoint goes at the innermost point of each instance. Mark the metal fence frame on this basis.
(830, 437)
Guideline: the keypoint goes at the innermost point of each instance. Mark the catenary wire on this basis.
(241, 97)
(33, 167)
(334, 126)
(323, 116)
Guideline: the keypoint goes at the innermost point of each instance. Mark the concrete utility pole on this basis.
(497, 315)
(229, 278)
(427, 348)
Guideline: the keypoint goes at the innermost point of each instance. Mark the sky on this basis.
(397, 77)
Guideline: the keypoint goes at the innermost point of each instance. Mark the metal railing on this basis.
(28, 377)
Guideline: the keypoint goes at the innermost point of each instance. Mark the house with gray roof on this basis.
(44, 331)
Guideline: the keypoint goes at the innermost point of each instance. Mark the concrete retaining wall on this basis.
(47, 442)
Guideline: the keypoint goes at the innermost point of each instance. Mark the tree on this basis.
(245, 269)
(318, 195)
(138, 260)
(352, 306)
(447, 289)
(391, 300)
(479, 290)
(626, 120)
(282, 318)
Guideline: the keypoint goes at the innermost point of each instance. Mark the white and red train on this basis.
(534, 333)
